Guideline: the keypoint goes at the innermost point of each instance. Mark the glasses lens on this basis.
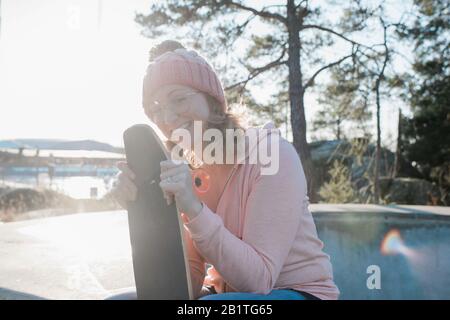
(176, 105)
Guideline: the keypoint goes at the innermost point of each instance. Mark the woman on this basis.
(253, 229)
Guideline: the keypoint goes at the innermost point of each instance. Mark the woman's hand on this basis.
(176, 182)
(124, 190)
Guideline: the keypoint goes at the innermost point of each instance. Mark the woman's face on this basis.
(177, 106)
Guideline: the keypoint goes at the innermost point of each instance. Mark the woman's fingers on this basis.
(121, 196)
(123, 166)
(173, 184)
(172, 172)
(171, 187)
(168, 197)
(131, 191)
(125, 190)
(168, 164)
(127, 184)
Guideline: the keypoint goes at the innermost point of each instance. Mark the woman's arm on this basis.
(253, 264)
(196, 265)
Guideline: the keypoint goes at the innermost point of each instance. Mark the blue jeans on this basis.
(282, 294)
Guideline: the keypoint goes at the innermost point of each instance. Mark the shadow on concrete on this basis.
(8, 294)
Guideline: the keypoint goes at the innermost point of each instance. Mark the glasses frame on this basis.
(166, 106)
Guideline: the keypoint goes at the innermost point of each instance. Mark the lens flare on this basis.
(393, 244)
(201, 180)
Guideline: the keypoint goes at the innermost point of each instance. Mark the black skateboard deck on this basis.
(160, 264)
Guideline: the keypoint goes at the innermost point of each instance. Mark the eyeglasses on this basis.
(176, 105)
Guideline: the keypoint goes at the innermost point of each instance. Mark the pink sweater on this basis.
(262, 235)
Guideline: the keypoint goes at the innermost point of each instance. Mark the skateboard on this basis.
(161, 268)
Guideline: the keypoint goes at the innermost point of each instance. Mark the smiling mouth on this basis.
(184, 126)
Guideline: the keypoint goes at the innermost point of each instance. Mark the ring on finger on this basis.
(170, 180)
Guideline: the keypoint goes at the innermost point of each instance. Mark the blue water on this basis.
(84, 170)
(80, 182)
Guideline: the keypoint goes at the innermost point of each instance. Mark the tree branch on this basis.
(241, 27)
(340, 35)
(257, 71)
(261, 13)
(300, 4)
(310, 82)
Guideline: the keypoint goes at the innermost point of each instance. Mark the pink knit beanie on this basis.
(183, 67)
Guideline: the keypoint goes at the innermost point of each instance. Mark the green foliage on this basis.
(243, 39)
(286, 46)
(426, 134)
(343, 103)
(339, 188)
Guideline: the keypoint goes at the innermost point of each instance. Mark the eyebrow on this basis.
(170, 93)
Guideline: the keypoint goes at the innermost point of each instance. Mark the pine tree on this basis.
(343, 104)
(289, 52)
(426, 135)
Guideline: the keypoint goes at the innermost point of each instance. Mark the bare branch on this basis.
(257, 71)
(275, 6)
(380, 77)
(300, 4)
(340, 35)
(401, 54)
(261, 13)
(310, 82)
(386, 52)
(245, 24)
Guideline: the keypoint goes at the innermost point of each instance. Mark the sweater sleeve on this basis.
(196, 265)
(254, 263)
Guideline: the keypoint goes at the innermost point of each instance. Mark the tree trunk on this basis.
(377, 90)
(378, 149)
(338, 135)
(296, 97)
(399, 146)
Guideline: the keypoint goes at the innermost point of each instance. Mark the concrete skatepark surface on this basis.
(80, 256)
(88, 255)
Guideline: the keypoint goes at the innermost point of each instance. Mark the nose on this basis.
(169, 117)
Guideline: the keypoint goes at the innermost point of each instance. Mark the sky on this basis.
(72, 69)
(68, 73)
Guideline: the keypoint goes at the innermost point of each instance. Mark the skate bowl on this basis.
(387, 252)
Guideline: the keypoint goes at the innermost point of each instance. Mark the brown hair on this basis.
(219, 119)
